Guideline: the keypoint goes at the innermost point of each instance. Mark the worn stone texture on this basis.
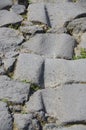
(65, 104)
(13, 91)
(8, 17)
(28, 121)
(47, 13)
(77, 27)
(5, 3)
(29, 67)
(51, 45)
(58, 71)
(74, 127)
(83, 41)
(9, 38)
(5, 117)
(18, 9)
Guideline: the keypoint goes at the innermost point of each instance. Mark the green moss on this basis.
(4, 100)
(25, 81)
(34, 87)
(14, 26)
(82, 54)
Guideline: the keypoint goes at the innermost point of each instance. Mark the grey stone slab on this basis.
(13, 91)
(29, 67)
(38, 9)
(5, 3)
(54, 15)
(58, 71)
(9, 38)
(8, 17)
(51, 45)
(5, 117)
(83, 41)
(72, 127)
(76, 27)
(27, 29)
(18, 9)
(65, 104)
(35, 103)
(50, 1)
(22, 120)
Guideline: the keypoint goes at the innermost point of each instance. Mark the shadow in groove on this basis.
(47, 16)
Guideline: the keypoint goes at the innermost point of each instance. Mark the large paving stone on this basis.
(54, 15)
(19, 9)
(73, 127)
(9, 17)
(13, 91)
(59, 72)
(5, 117)
(23, 121)
(51, 45)
(5, 3)
(9, 38)
(65, 104)
(29, 67)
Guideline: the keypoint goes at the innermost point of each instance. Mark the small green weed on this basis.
(14, 26)
(34, 88)
(25, 81)
(82, 54)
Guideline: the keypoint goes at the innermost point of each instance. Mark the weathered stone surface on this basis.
(23, 121)
(81, 3)
(29, 67)
(35, 102)
(8, 17)
(27, 29)
(51, 45)
(47, 13)
(2, 71)
(65, 104)
(5, 3)
(74, 127)
(77, 27)
(50, 1)
(9, 38)
(9, 64)
(59, 72)
(5, 117)
(83, 41)
(13, 91)
(19, 9)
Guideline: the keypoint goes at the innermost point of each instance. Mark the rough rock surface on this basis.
(13, 91)
(8, 17)
(59, 72)
(29, 67)
(42, 65)
(9, 38)
(5, 117)
(51, 45)
(83, 41)
(47, 13)
(19, 9)
(65, 104)
(5, 3)
(74, 127)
